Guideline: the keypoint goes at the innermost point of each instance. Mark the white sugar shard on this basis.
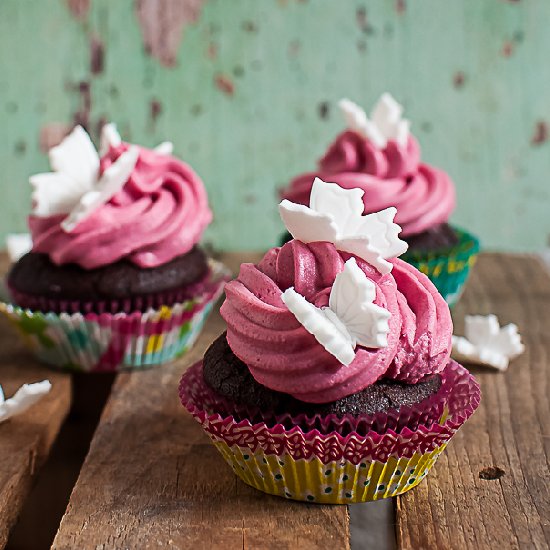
(350, 319)
(487, 343)
(109, 138)
(335, 215)
(26, 396)
(18, 244)
(385, 122)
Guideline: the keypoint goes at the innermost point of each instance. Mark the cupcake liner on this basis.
(331, 467)
(447, 269)
(93, 342)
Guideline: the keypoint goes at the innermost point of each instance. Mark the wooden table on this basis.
(153, 480)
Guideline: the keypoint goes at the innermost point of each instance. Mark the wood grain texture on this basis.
(153, 479)
(248, 94)
(454, 507)
(26, 439)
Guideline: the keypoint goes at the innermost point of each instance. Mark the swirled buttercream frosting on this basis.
(283, 356)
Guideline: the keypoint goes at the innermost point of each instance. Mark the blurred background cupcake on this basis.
(379, 155)
(115, 277)
(334, 382)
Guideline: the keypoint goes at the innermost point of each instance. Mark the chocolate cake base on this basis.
(228, 376)
(35, 275)
(440, 237)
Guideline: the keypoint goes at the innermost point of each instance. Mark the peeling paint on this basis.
(459, 78)
(224, 84)
(162, 25)
(79, 8)
(324, 109)
(400, 6)
(51, 135)
(212, 51)
(20, 148)
(97, 55)
(294, 47)
(155, 109)
(249, 26)
(362, 20)
(82, 115)
(540, 135)
(507, 48)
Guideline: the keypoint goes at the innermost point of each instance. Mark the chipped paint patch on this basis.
(507, 48)
(162, 25)
(324, 109)
(459, 78)
(224, 84)
(97, 55)
(82, 115)
(155, 109)
(52, 134)
(79, 8)
(400, 7)
(540, 135)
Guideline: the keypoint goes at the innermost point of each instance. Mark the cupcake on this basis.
(333, 382)
(381, 157)
(115, 278)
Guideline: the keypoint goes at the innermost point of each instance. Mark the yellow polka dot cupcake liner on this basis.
(293, 462)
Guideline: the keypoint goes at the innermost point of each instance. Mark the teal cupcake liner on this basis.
(448, 268)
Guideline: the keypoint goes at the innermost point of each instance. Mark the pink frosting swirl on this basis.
(160, 213)
(394, 176)
(283, 356)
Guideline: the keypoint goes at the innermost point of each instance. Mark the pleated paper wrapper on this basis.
(334, 460)
(93, 342)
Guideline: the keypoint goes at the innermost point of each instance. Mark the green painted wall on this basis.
(247, 94)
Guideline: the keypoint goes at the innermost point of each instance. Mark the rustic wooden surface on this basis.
(455, 507)
(26, 439)
(153, 479)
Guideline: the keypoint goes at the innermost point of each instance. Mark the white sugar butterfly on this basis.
(487, 343)
(74, 187)
(385, 121)
(351, 317)
(335, 215)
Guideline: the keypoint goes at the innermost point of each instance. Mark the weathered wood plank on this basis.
(25, 440)
(153, 479)
(454, 507)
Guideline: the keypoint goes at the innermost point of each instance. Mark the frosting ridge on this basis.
(160, 213)
(283, 356)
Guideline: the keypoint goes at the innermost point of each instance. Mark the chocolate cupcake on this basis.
(115, 278)
(334, 381)
(381, 157)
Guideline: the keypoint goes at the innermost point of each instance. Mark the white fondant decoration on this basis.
(351, 317)
(18, 244)
(111, 182)
(335, 215)
(385, 121)
(26, 396)
(165, 148)
(109, 138)
(75, 166)
(487, 343)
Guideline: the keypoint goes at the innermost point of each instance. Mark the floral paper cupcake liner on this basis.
(93, 342)
(330, 467)
(448, 269)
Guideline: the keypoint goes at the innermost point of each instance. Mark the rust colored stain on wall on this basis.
(162, 23)
(540, 134)
(225, 84)
(97, 55)
(79, 8)
(52, 134)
